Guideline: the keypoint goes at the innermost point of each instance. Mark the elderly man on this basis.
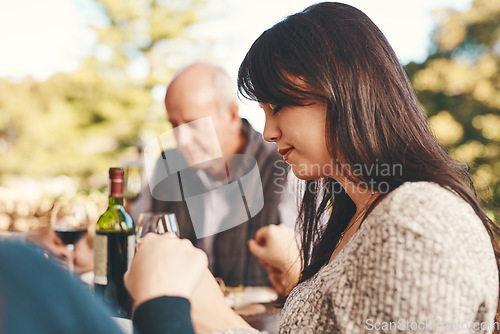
(197, 93)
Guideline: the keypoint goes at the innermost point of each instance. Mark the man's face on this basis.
(198, 125)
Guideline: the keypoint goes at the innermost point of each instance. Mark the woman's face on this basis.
(299, 132)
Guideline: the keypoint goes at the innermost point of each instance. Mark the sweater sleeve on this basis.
(164, 315)
(172, 315)
(421, 270)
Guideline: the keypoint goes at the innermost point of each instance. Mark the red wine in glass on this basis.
(70, 224)
(70, 235)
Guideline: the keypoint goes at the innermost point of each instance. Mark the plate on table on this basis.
(241, 297)
(251, 295)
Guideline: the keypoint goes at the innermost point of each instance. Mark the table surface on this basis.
(268, 321)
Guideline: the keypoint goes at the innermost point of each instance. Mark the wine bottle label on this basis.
(130, 249)
(100, 259)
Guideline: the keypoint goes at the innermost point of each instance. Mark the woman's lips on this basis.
(286, 153)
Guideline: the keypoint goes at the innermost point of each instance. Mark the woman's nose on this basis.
(272, 132)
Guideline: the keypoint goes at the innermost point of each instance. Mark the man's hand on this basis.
(83, 256)
(47, 239)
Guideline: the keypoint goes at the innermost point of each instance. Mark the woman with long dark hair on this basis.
(392, 235)
(417, 229)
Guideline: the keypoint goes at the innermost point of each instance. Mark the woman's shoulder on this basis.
(429, 209)
(425, 198)
(424, 192)
(425, 248)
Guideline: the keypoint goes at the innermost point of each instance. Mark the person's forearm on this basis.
(209, 310)
(225, 318)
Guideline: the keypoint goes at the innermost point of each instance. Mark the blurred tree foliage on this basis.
(459, 88)
(81, 123)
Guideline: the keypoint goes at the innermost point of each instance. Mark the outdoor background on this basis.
(82, 84)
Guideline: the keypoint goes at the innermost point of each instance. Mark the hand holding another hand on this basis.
(276, 248)
(164, 265)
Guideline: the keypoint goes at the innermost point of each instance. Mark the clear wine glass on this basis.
(70, 224)
(155, 222)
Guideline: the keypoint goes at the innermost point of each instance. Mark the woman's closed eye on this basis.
(276, 108)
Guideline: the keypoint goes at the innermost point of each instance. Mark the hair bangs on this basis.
(266, 74)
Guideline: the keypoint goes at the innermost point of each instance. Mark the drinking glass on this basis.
(70, 224)
(155, 222)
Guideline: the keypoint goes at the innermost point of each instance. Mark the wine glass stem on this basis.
(70, 258)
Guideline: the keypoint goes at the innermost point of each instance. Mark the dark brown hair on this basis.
(373, 116)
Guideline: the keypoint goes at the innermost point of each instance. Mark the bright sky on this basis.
(42, 37)
(407, 24)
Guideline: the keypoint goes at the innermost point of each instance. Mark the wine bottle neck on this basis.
(116, 188)
(115, 201)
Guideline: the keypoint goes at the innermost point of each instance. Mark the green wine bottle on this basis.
(114, 247)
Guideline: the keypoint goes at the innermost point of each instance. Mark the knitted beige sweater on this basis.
(421, 262)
